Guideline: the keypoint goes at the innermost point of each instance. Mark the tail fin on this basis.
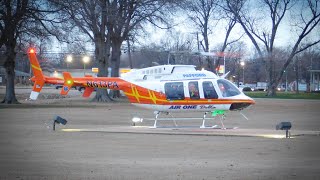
(68, 82)
(38, 78)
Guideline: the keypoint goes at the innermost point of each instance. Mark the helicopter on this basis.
(164, 89)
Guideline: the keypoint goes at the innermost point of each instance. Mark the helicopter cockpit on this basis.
(196, 89)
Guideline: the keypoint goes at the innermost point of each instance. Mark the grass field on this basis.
(284, 95)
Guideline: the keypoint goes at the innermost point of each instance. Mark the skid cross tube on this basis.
(174, 119)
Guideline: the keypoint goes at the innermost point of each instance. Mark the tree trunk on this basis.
(210, 64)
(102, 52)
(272, 86)
(115, 64)
(10, 97)
(272, 89)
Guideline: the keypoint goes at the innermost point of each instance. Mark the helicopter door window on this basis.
(194, 90)
(227, 88)
(174, 90)
(209, 91)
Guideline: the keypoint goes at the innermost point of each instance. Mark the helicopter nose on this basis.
(241, 105)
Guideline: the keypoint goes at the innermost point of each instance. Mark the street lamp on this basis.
(69, 60)
(55, 74)
(242, 64)
(85, 60)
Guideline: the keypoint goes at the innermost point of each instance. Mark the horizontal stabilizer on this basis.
(68, 82)
(87, 92)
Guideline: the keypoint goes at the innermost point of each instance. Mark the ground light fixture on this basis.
(284, 126)
(58, 120)
(136, 119)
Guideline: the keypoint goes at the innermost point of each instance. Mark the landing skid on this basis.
(157, 113)
(174, 119)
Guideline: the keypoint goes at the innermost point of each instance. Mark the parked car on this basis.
(60, 86)
(247, 88)
(81, 88)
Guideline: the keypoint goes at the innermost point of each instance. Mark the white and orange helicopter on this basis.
(164, 89)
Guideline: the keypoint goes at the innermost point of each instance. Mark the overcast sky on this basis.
(285, 35)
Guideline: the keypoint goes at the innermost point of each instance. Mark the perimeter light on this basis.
(137, 119)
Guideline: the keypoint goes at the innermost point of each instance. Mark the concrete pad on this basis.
(104, 145)
(193, 130)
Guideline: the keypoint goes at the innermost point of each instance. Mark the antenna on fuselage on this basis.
(225, 75)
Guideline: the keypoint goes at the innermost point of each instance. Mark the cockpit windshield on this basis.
(227, 88)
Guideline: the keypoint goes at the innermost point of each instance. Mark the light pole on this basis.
(69, 60)
(286, 80)
(85, 60)
(242, 64)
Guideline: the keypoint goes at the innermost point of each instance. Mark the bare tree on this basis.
(19, 19)
(123, 17)
(264, 39)
(203, 14)
(151, 55)
(207, 15)
(310, 60)
(309, 22)
(222, 50)
(178, 45)
(235, 52)
(90, 16)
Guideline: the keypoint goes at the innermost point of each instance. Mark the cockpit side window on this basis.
(227, 88)
(193, 90)
(209, 91)
(174, 90)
